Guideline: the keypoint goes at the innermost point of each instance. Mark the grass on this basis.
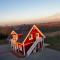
(54, 42)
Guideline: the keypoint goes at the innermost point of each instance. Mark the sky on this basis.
(25, 11)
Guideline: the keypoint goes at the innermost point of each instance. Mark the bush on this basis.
(3, 36)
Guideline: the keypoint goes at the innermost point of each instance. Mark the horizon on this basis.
(24, 11)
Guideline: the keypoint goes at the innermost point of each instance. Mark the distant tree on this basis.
(3, 36)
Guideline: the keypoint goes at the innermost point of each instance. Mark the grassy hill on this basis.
(54, 42)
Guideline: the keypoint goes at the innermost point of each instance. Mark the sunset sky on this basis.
(25, 11)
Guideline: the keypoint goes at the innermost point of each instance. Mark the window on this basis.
(30, 37)
(37, 34)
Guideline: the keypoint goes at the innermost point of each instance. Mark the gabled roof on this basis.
(25, 30)
(34, 26)
(22, 29)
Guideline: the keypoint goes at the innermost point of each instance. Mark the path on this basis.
(46, 54)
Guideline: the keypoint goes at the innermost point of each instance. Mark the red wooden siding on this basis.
(33, 32)
(20, 35)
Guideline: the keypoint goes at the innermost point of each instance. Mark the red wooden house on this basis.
(27, 40)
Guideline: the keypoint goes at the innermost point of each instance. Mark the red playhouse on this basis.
(27, 40)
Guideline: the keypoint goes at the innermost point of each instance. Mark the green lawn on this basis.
(54, 42)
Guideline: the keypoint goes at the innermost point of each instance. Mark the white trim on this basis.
(43, 44)
(24, 49)
(30, 32)
(14, 32)
(28, 35)
(39, 31)
(32, 47)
